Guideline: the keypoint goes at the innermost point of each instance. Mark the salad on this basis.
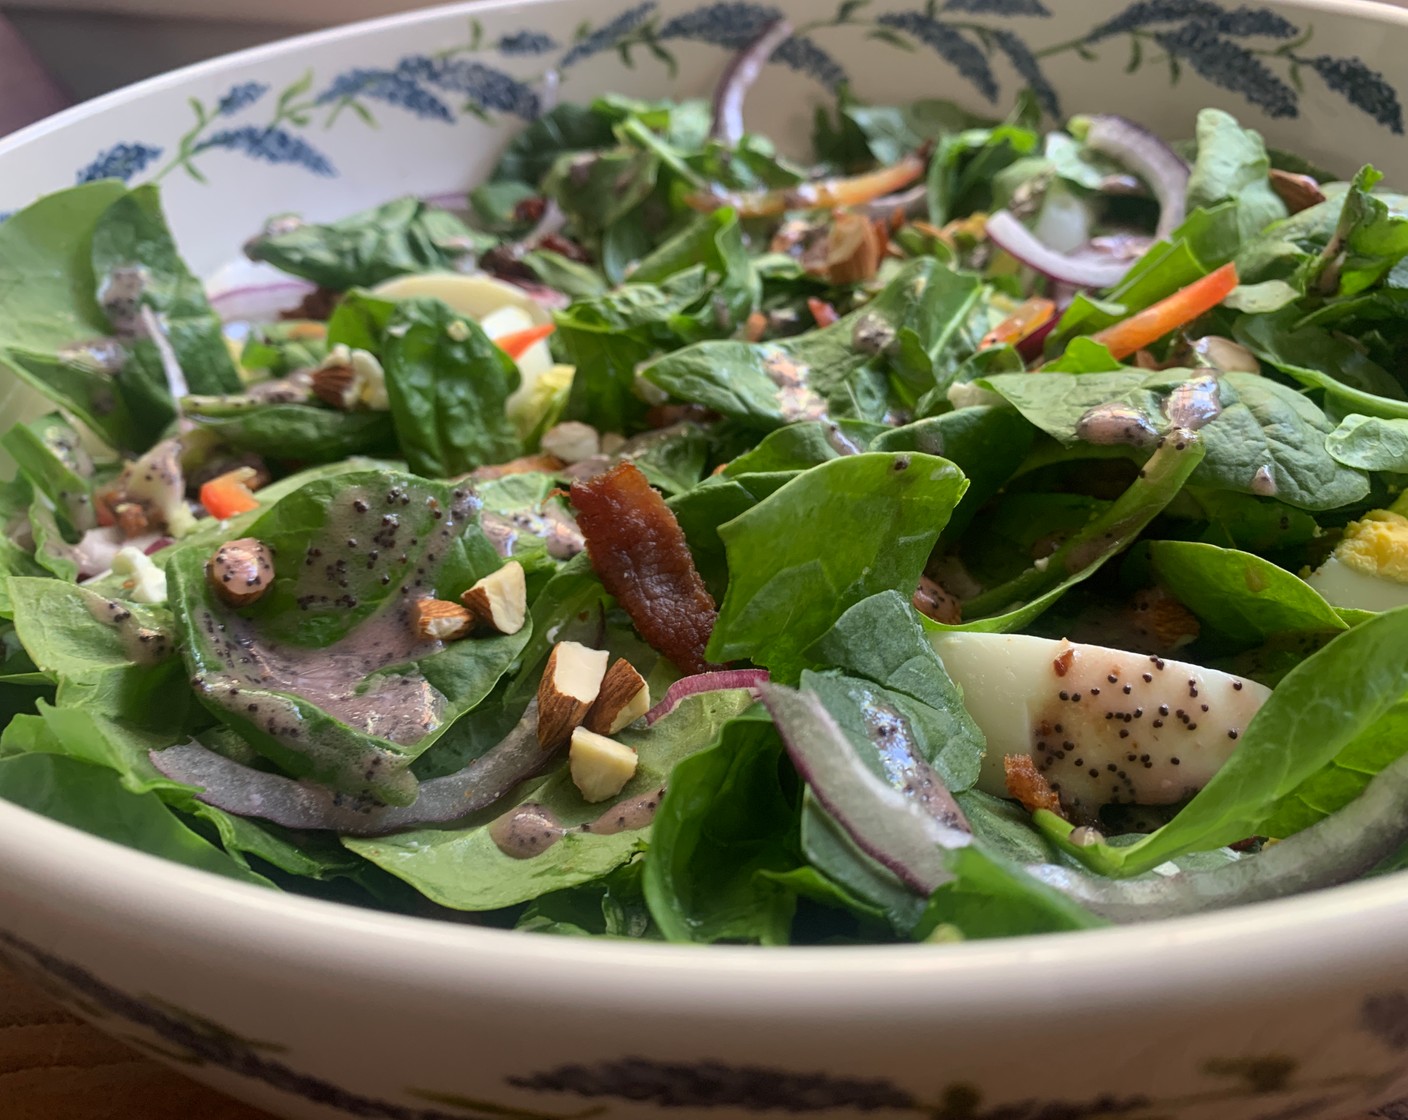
(978, 529)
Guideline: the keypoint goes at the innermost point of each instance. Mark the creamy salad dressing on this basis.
(143, 645)
(531, 829)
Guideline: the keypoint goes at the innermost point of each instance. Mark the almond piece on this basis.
(624, 698)
(571, 682)
(336, 385)
(600, 767)
(1298, 192)
(571, 441)
(241, 571)
(528, 464)
(441, 619)
(499, 601)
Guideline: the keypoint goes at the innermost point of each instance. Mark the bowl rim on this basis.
(1245, 948)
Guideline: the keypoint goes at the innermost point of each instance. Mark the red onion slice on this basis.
(891, 828)
(297, 804)
(1150, 158)
(259, 303)
(1010, 235)
(742, 72)
(721, 681)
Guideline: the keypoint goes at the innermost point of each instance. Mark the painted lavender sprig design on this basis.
(273, 141)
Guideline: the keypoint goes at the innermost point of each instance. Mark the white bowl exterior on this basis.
(379, 1005)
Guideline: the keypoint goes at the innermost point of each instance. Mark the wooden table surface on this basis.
(55, 1067)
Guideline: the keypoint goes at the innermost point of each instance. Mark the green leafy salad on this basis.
(975, 530)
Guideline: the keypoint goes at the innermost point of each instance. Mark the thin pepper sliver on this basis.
(641, 557)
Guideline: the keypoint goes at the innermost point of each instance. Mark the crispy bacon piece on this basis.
(1028, 785)
(639, 553)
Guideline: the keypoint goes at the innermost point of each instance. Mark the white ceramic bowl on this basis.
(1288, 1009)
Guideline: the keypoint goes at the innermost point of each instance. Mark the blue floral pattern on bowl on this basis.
(1256, 53)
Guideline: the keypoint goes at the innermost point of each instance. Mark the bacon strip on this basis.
(639, 553)
(1029, 786)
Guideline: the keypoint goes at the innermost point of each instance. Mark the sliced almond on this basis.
(600, 767)
(499, 601)
(571, 682)
(624, 698)
(441, 619)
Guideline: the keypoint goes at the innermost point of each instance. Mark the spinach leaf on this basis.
(1232, 165)
(852, 874)
(52, 329)
(1370, 237)
(1320, 360)
(612, 906)
(992, 898)
(716, 242)
(51, 455)
(987, 443)
(730, 814)
(447, 384)
(464, 869)
(398, 238)
(863, 135)
(905, 342)
(793, 571)
(305, 432)
(880, 639)
(714, 502)
(564, 129)
(352, 553)
(1113, 529)
(1370, 443)
(608, 338)
(132, 239)
(280, 348)
(92, 799)
(1262, 424)
(805, 444)
(1239, 595)
(1344, 777)
(1319, 709)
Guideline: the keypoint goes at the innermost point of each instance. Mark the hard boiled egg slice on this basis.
(1368, 570)
(1104, 726)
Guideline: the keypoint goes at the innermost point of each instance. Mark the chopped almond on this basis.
(571, 683)
(441, 620)
(623, 699)
(498, 603)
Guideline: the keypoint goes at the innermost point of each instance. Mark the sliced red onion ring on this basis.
(1010, 235)
(742, 72)
(295, 804)
(1147, 156)
(891, 828)
(447, 200)
(721, 681)
(1341, 847)
(259, 303)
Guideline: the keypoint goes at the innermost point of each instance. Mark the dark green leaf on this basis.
(834, 535)
(396, 239)
(447, 384)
